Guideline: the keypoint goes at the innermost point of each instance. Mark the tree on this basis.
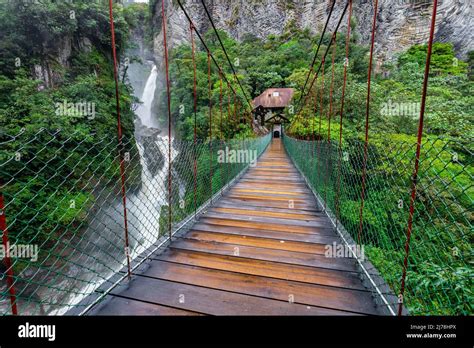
(443, 60)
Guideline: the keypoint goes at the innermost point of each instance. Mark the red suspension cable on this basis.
(367, 111)
(315, 110)
(331, 89)
(119, 135)
(220, 102)
(239, 112)
(7, 260)
(221, 118)
(313, 122)
(417, 156)
(163, 15)
(210, 116)
(234, 111)
(206, 47)
(229, 121)
(346, 64)
(193, 49)
(305, 96)
(228, 104)
(321, 110)
(321, 92)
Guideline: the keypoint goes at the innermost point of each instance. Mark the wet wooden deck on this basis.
(250, 254)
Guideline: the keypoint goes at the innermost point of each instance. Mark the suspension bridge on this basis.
(250, 254)
(217, 237)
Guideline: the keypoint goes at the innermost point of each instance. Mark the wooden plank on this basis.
(291, 214)
(211, 301)
(283, 179)
(275, 169)
(271, 195)
(272, 187)
(267, 226)
(300, 293)
(275, 176)
(272, 192)
(287, 220)
(279, 235)
(259, 242)
(301, 206)
(266, 198)
(280, 178)
(255, 182)
(304, 274)
(290, 257)
(273, 172)
(125, 306)
(269, 188)
(275, 159)
(274, 164)
(262, 209)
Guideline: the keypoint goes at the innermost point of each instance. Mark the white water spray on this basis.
(146, 204)
(144, 110)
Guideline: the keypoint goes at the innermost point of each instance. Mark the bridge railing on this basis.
(66, 238)
(439, 273)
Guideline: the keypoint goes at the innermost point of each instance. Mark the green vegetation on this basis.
(396, 97)
(234, 121)
(53, 54)
(279, 61)
(439, 278)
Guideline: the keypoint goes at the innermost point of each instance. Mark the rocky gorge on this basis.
(400, 23)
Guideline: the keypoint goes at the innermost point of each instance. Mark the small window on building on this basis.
(276, 94)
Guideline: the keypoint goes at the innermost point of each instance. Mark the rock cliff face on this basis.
(45, 70)
(400, 23)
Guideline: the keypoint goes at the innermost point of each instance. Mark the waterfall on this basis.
(106, 226)
(146, 204)
(144, 110)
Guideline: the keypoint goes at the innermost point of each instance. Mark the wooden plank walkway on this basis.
(250, 254)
